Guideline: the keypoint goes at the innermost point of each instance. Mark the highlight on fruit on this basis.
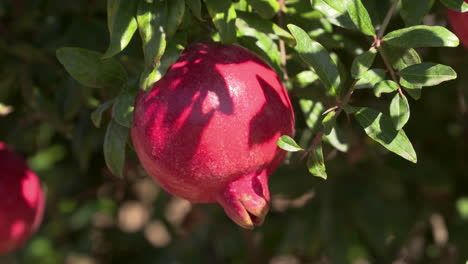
(22, 200)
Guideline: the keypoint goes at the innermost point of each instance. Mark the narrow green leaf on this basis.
(195, 6)
(363, 62)
(370, 78)
(386, 86)
(457, 5)
(312, 113)
(224, 18)
(265, 8)
(148, 77)
(288, 144)
(175, 14)
(360, 17)
(87, 67)
(328, 122)
(96, 115)
(115, 141)
(316, 163)
(413, 11)
(426, 74)
(381, 129)
(399, 111)
(421, 36)
(318, 58)
(122, 111)
(151, 18)
(121, 24)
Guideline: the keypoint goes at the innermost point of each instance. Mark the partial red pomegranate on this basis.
(459, 23)
(21, 200)
(207, 130)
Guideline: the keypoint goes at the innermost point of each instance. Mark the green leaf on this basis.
(96, 115)
(288, 144)
(148, 77)
(265, 8)
(337, 139)
(414, 92)
(413, 11)
(115, 141)
(401, 58)
(175, 14)
(318, 58)
(224, 18)
(399, 111)
(316, 163)
(151, 18)
(386, 86)
(121, 24)
(263, 41)
(266, 26)
(195, 6)
(421, 36)
(87, 67)
(457, 5)
(122, 111)
(328, 122)
(312, 113)
(305, 78)
(381, 129)
(426, 74)
(363, 62)
(335, 12)
(370, 78)
(359, 15)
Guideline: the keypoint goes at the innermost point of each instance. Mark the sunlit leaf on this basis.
(381, 129)
(318, 58)
(399, 111)
(121, 24)
(457, 5)
(265, 8)
(386, 86)
(316, 163)
(421, 36)
(224, 18)
(287, 143)
(370, 78)
(426, 74)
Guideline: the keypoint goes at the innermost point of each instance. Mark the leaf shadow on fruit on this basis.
(264, 125)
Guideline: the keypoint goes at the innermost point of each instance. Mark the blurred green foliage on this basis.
(374, 207)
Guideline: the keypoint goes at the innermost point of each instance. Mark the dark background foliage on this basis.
(375, 207)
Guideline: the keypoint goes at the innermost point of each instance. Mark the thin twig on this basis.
(282, 45)
(387, 19)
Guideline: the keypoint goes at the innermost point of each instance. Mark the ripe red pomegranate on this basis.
(207, 130)
(21, 200)
(459, 23)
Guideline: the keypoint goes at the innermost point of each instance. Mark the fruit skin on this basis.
(207, 130)
(459, 23)
(21, 202)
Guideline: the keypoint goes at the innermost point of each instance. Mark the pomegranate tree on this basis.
(207, 130)
(21, 202)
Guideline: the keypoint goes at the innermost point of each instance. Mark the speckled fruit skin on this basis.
(459, 23)
(207, 130)
(21, 200)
